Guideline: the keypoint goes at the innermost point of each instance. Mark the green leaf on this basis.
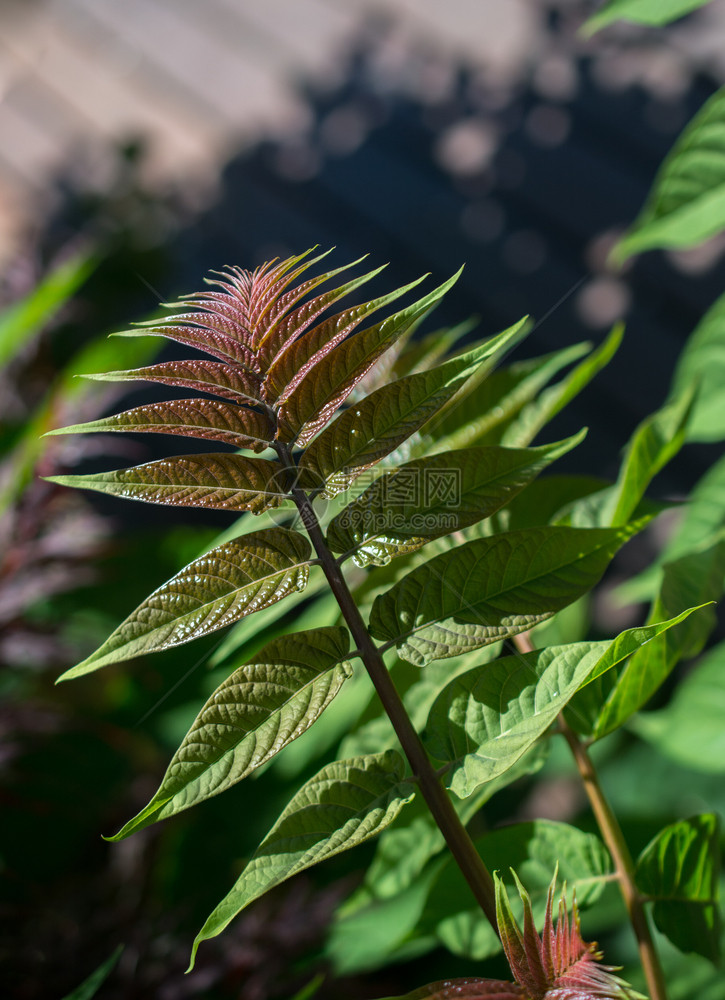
(691, 580)
(534, 849)
(348, 802)
(534, 417)
(486, 719)
(24, 320)
(484, 414)
(491, 588)
(703, 362)
(218, 481)
(378, 424)
(654, 443)
(91, 986)
(679, 870)
(200, 418)
(433, 496)
(655, 12)
(690, 729)
(255, 713)
(327, 381)
(231, 581)
(687, 202)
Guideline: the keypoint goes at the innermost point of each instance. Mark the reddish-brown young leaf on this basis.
(560, 965)
(288, 330)
(316, 396)
(198, 418)
(204, 338)
(466, 989)
(214, 377)
(298, 357)
(217, 481)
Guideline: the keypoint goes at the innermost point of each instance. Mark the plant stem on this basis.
(454, 832)
(623, 863)
(613, 837)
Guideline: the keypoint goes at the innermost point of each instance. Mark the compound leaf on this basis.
(348, 802)
(229, 582)
(491, 588)
(264, 705)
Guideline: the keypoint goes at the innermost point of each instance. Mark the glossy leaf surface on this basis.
(213, 377)
(252, 715)
(218, 481)
(433, 496)
(487, 718)
(679, 870)
(199, 418)
(348, 802)
(491, 588)
(316, 394)
(231, 581)
(687, 202)
(378, 424)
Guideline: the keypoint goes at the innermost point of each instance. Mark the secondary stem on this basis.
(623, 863)
(454, 832)
(614, 839)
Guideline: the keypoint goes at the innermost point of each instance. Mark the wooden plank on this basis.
(97, 95)
(221, 82)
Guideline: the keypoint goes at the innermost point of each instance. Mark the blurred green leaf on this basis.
(691, 580)
(656, 12)
(691, 729)
(703, 362)
(534, 417)
(679, 871)
(91, 986)
(686, 204)
(24, 320)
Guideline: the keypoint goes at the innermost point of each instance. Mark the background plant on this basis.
(633, 761)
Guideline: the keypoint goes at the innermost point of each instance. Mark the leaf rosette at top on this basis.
(281, 372)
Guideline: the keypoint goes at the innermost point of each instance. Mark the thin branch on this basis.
(454, 832)
(613, 837)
